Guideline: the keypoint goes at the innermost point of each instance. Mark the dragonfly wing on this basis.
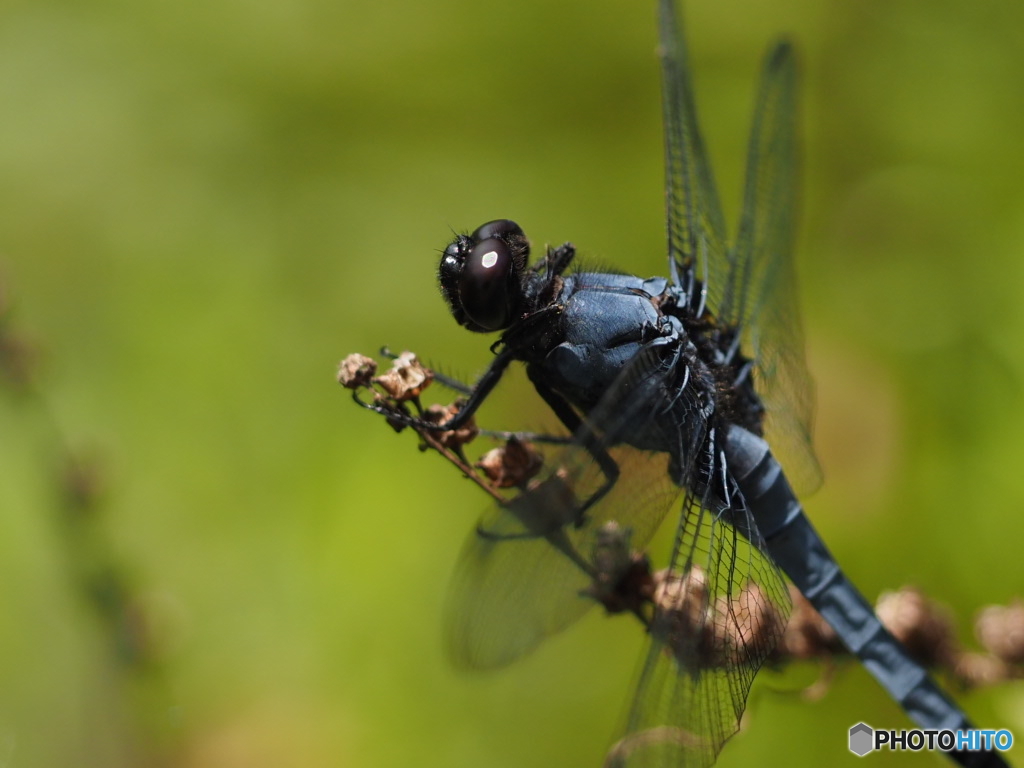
(719, 612)
(511, 588)
(760, 296)
(500, 601)
(522, 572)
(696, 229)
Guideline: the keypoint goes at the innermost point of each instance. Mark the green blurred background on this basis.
(206, 205)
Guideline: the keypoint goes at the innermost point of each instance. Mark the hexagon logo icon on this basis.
(861, 739)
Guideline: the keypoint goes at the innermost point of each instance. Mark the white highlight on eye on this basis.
(489, 259)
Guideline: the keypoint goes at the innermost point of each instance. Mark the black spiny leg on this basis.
(582, 432)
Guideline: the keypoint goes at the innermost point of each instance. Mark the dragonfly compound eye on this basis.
(503, 229)
(487, 284)
(481, 276)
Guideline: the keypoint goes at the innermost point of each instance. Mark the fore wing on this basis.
(761, 296)
(751, 286)
(696, 229)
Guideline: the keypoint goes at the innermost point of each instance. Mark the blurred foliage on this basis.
(206, 205)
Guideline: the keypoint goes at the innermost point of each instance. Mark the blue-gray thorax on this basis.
(609, 323)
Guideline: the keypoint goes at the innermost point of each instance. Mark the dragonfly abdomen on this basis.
(796, 547)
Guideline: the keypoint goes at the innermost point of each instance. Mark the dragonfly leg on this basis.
(575, 425)
(558, 260)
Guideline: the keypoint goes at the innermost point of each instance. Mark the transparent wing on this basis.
(696, 229)
(512, 588)
(760, 296)
(720, 610)
(522, 573)
(752, 286)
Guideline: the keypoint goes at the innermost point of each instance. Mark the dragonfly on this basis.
(679, 394)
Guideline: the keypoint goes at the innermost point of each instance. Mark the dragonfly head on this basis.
(481, 276)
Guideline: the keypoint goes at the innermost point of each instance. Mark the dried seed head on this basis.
(546, 505)
(406, 379)
(977, 670)
(512, 464)
(453, 439)
(1000, 630)
(807, 635)
(611, 554)
(622, 578)
(684, 619)
(356, 371)
(687, 594)
(736, 629)
(921, 625)
(753, 622)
